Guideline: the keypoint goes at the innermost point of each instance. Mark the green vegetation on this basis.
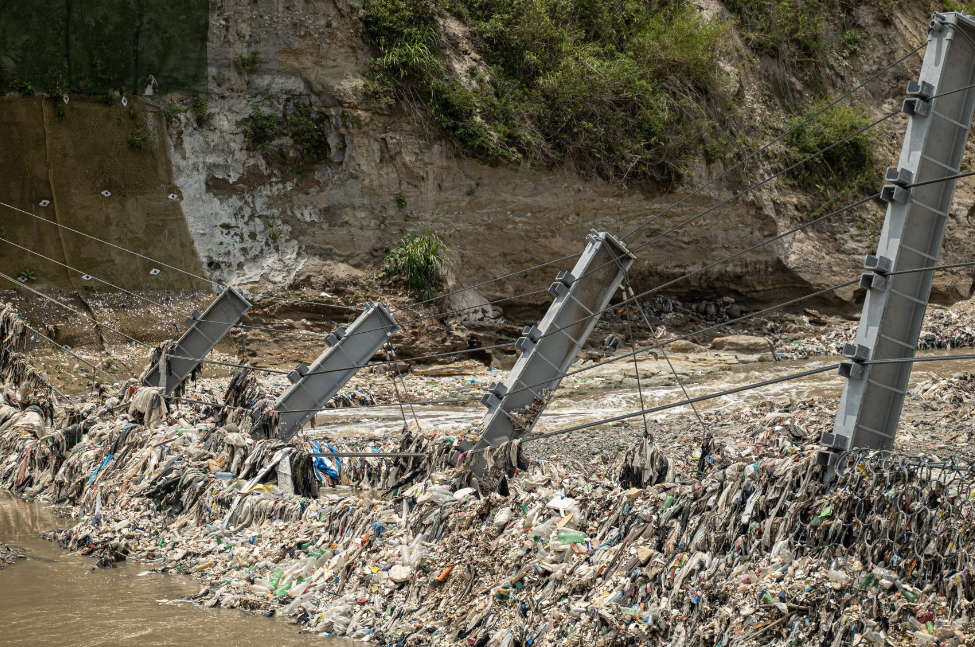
(274, 231)
(400, 201)
(850, 161)
(958, 5)
(60, 111)
(261, 129)
(138, 139)
(623, 91)
(173, 113)
(844, 173)
(307, 134)
(247, 64)
(21, 87)
(768, 26)
(803, 29)
(26, 275)
(201, 111)
(421, 260)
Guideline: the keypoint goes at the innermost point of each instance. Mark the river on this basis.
(54, 599)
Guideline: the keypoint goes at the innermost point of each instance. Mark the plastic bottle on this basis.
(567, 536)
(838, 577)
(275, 578)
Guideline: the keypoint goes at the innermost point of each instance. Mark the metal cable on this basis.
(218, 405)
(702, 187)
(681, 403)
(406, 392)
(782, 136)
(399, 399)
(765, 242)
(167, 265)
(489, 281)
(688, 335)
(636, 370)
(65, 350)
(255, 368)
(663, 351)
(159, 303)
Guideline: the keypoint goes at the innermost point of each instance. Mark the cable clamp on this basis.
(870, 281)
(855, 369)
(878, 264)
(300, 371)
(918, 101)
(835, 441)
(495, 395)
(337, 335)
(898, 190)
(563, 282)
(851, 370)
(529, 339)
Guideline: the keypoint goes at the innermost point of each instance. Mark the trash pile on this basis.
(8, 555)
(811, 336)
(734, 542)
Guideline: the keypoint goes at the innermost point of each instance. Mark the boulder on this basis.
(744, 344)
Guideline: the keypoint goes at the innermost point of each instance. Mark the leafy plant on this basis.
(172, 112)
(93, 288)
(260, 129)
(306, 134)
(421, 260)
(26, 275)
(22, 87)
(138, 139)
(247, 64)
(851, 162)
(274, 231)
(400, 201)
(60, 111)
(199, 106)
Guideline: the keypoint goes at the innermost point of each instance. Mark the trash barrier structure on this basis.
(548, 349)
(940, 106)
(347, 352)
(204, 333)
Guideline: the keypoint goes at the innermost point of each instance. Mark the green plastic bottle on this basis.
(275, 578)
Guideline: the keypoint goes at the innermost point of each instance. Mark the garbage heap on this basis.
(8, 555)
(734, 547)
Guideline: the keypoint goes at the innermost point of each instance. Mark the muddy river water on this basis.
(53, 599)
(580, 400)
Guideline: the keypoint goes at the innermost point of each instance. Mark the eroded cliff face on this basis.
(265, 215)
